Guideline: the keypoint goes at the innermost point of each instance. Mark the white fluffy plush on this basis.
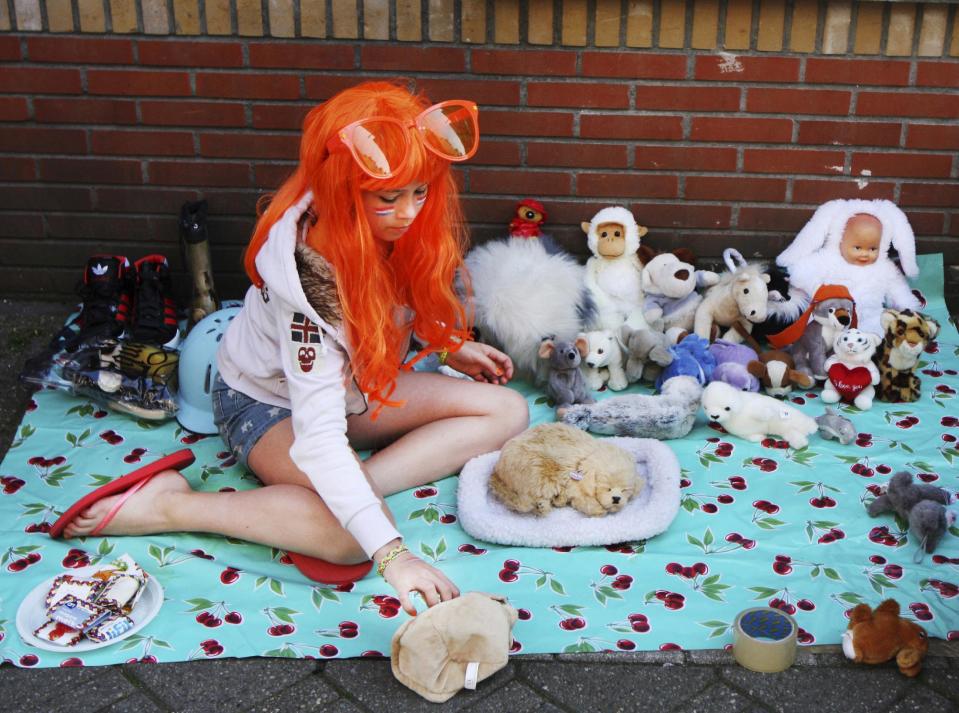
(521, 294)
(671, 414)
(813, 259)
(615, 283)
(649, 513)
(603, 359)
(754, 416)
(853, 349)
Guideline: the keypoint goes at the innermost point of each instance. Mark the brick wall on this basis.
(717, 123)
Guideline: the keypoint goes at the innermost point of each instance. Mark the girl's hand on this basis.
(482, 362)
(408, 573)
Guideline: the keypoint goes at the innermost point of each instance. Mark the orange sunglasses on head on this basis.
(381, 144)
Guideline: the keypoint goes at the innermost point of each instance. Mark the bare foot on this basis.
(144, 513)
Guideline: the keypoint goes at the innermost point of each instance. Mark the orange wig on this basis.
(371, 280)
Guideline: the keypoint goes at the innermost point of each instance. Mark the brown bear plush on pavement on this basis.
(880, 635)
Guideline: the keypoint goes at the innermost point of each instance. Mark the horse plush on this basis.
(737, 302)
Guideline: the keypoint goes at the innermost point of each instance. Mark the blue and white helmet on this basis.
(198, 370)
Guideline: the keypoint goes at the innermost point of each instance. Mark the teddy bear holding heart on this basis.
(851, 375)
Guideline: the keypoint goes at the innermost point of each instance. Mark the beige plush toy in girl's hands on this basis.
(847, 243)
(453, 645)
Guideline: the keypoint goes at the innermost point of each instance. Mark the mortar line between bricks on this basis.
(518, 676)
(129, 674)
(341, 692)
(906, 692)
(741, 691)
(950, 695)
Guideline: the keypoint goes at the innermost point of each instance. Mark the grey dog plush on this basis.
(565, 383)
(668, 415)
(924, 506)
(832, 425)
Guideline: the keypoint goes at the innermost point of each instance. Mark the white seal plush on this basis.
(754, 416)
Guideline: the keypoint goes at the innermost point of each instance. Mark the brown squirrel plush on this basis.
(880, 635)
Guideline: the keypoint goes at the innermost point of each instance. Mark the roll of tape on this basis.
(764, 640)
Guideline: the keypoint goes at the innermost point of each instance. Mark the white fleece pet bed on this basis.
(483, 516)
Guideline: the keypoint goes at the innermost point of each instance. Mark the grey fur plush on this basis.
(828, 318)
(668, 415)
(647, 352)
(923, 506)
(565, 384)
(832, 425)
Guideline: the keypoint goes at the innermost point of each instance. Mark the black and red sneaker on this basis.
(107, 292)
(154, 311)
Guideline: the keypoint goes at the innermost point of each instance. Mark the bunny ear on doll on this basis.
(813, 235)
(903, 239)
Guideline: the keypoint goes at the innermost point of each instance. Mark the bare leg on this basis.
(444, 423)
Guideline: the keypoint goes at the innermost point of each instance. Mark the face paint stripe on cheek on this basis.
(385, 211)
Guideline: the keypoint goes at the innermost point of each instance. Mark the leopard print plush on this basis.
(906, 335)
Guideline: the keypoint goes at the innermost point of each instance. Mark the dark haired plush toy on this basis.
(565, 384)
(923, 506)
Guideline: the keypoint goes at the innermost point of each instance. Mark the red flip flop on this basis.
(127, 484)
(328, 573)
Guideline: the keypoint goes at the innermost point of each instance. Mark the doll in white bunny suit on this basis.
(614, 273)
(847, 242)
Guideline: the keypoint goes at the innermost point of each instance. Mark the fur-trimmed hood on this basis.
(614, 214)
(823, 232)
(285, 257)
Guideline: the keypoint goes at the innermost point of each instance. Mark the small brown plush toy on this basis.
(880, 635)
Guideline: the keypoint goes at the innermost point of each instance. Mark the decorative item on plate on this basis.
(86, 589)
(77, 613)
(110, 628)
(57, 633)
(94, 607)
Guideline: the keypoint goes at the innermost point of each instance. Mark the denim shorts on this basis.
(242, 420)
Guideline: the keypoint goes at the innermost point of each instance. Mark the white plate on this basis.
(33, 613)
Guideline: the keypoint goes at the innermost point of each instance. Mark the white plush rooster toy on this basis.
(614, 273)
(847, 242)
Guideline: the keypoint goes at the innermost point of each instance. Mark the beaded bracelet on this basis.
(444, 355)
(390, 556)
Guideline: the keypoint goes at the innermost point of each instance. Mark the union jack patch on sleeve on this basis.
(302, 330)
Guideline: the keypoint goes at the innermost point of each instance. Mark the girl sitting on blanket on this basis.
(358, 249)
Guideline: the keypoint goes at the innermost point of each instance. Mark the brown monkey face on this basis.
(612, 239)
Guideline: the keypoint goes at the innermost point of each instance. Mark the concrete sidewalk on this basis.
(821, 680)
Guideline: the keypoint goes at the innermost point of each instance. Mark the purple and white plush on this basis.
(732, 361)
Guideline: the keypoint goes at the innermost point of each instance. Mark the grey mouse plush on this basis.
(565, 384)
(923, 506)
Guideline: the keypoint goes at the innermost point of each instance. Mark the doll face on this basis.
(860, 240)
(612, 239)
(391, 212)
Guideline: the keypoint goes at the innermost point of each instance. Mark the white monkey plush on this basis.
(614, 273)
(846, 242)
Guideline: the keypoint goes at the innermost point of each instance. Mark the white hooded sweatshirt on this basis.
(290, 350)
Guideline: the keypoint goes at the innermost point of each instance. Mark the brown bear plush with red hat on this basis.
(880, 635)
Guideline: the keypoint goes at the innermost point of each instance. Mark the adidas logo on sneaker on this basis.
(106, 291)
